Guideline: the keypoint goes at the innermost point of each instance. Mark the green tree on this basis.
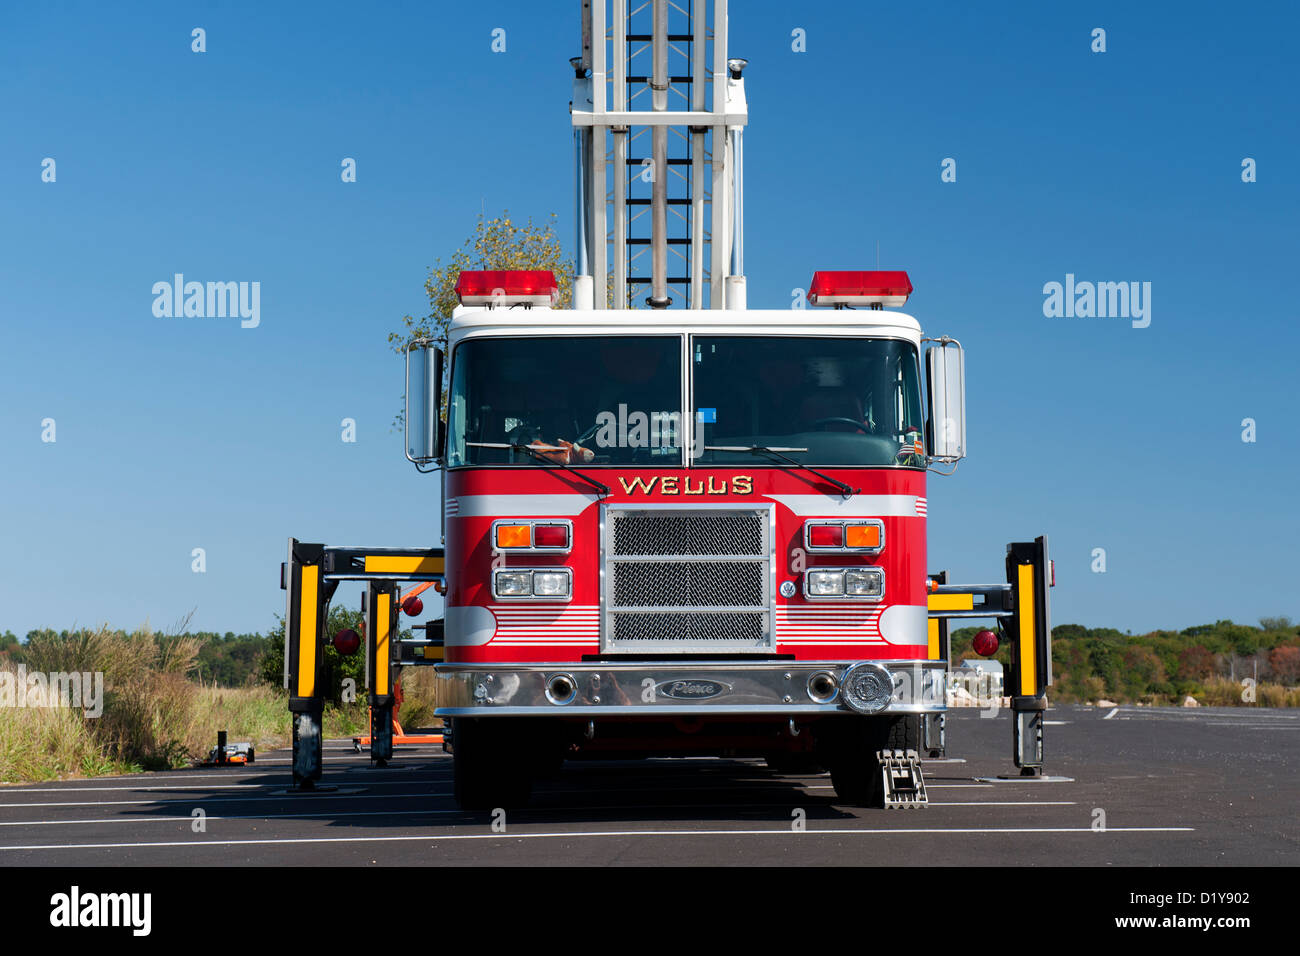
(498, 243)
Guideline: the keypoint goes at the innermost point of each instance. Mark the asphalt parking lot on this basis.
(1150, 786)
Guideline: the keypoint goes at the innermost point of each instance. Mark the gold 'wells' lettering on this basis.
(668, 485)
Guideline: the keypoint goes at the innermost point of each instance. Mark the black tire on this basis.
(492, 764)
(905, 733)
(851, 755)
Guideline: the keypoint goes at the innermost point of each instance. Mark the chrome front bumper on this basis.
(679, 688)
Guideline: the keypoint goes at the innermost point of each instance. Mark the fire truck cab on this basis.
(684, 537)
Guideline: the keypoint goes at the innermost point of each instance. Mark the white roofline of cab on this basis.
(544, 321)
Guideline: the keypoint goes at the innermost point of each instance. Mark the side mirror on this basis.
(424, 432)
(945, 366)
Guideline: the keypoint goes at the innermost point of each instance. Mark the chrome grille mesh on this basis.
(688, 584)
(689, 627)
(702, 533)
(688, 580)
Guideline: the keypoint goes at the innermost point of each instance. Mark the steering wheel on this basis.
(842, 421)
(582, 439)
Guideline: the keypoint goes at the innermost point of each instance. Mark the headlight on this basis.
(869, 582)
(550, 584)
(825, 583)
(514, 583)
(866, 584)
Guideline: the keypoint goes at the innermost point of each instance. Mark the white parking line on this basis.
(1113, 712)
(598, 834)
(391, 796)
(268, 817)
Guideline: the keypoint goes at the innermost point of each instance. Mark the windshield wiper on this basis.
(847, 491)
(520, 446)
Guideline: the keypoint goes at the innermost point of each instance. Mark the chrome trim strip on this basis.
(629, 688)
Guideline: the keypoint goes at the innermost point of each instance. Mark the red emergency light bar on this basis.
(881, 290)
(505, 287)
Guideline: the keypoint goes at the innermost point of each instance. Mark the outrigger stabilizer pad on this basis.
(904, 783)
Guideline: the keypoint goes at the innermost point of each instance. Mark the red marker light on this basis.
(412, 606)
(550, 536)
(825, 536)
(985, 644)
(347, 641)
(507, 287)
(884, 290)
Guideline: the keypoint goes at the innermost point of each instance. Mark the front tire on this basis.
(851, 755)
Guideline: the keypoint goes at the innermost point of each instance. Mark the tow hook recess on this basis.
(904, 783)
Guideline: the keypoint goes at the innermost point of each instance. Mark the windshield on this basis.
(847, 401)
(574, 400)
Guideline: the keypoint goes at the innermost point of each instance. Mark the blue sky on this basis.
(174, 433)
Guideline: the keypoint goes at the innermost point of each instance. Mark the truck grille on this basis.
(688, 580)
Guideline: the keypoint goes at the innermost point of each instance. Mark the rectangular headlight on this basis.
(550, 583)
(868, 582)
(514, 583)
(825, 583)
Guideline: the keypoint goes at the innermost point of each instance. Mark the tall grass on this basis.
(1222, 692)
(38, 743)
(148, 698)
(155, 715)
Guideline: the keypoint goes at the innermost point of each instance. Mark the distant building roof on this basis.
(981, 666)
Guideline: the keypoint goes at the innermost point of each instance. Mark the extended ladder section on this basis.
(658, 115)
(310, 577)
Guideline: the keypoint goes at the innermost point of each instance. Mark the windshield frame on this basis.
(682, 461)
(686, 397)
(763, 461)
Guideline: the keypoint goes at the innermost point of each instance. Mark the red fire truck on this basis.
(695, 531)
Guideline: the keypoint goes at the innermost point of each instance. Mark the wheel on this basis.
(851, 754)
(492, 763)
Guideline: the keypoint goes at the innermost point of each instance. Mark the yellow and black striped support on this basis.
(381, 625)
(1028, 572)
(306, 598)
(1030, 627)
(310, 576)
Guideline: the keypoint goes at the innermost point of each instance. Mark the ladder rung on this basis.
(649, 37)
(646, 202)
(682, 161)
(671, 280)
(638, 241)
(671, 79)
